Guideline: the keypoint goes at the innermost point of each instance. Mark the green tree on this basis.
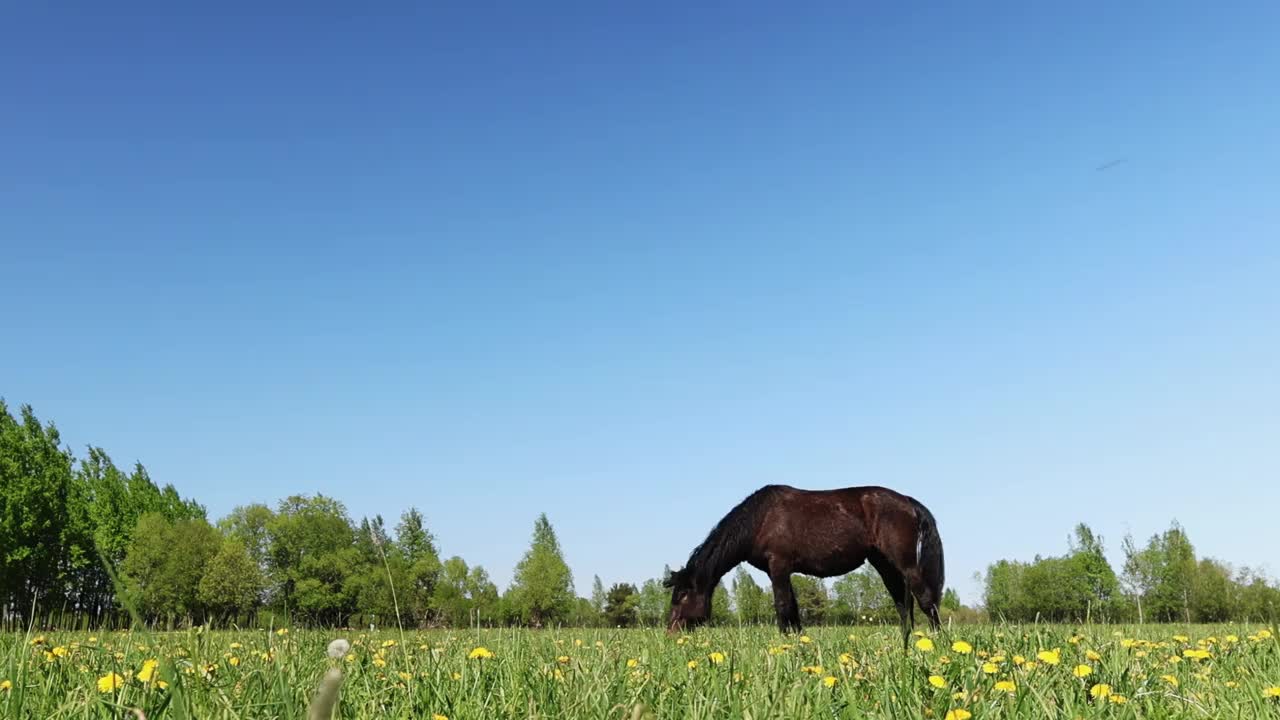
(598, 596)
(653, 603)
(721, 609)
(417, 546)
(620, 605)
(483, 594)
(811, 597)
(312, 554)
(542, 586)
(753, 603)
(951, 600)
(451, 600)
(232, 584)
(166, 562)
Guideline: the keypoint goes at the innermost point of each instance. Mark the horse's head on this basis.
(690, 604)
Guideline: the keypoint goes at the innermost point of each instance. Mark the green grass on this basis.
(831, 672)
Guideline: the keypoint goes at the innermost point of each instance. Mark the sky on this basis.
(624, 264)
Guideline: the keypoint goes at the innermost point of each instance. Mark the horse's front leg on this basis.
(784, 602)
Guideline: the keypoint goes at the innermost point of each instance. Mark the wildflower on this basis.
(962, 647)
(1232, 639)
(480, 653)
(1018, 659)
(1028, 667)
(389, 643)
(6, 685)
(692, 664)
(148, 671)
(563, 659)
(1181, 638)
(716, 658)
(110, 683)
(1099, 691)
(405, 676)
(438, 716)
(1006, 686)
(830, 681)
(1075, 639)
(1272, 692)
(937, 681)
(1082, 671)
(1091, 655)
(990, 668)
(1128, 643)
(59, 651)
(812, 669)
(924, 645)
(236, 646)
(958, 714)
(456, 676)
(282, 631)
(1196, 654)
(847, 659)
(1231, 684)
(632, 663)
(235, 661)
(1050, 657)
(1170, 679)
(805, 639)
(1117, 699)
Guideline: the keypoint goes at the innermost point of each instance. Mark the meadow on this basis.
(972, 671)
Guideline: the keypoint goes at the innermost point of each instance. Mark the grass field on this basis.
(971, 672)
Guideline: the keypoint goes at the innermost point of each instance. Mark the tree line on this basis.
(83, 541)
(1159, 581)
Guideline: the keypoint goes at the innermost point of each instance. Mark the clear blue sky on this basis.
(625, 265)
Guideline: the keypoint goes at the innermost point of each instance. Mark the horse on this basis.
(780, 530)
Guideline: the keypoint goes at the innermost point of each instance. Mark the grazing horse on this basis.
(782, 530)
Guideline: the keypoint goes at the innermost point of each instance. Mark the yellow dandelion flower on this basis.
(1231, 684)
(282, 631)
(1141, 654)
(1232, 639)
(562, 659)
(438, 716)
(6, 685)
(148, 671)
(1128, 643)
(924, 645)
(830, 681)
(1018, 659)
(1181, 638)
(961, 647)
(990, 668)
(1075, 639)
(716, 658)
(958, 714)
(1028, 667)
(847, 659)
(59, 651)
(805, 639)
(457, 676)
(1101, 690)
(632, 663)
(958, 696)
(1050, 657)
(236, 646)
(812, 669)
(110, 683)
(937, 681)
(389, 643)
(1082, 671)
(1006, 686)
(234, 661)
(692, 664)
(1272, 692)
(480, 653)
(1117, 699)
(1093, 656)
(1170, 679)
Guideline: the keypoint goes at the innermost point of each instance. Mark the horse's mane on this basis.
(726, 545)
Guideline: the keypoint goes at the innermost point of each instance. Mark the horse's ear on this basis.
(671, 579)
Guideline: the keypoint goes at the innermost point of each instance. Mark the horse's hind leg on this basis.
(784, 602)
(897, 587)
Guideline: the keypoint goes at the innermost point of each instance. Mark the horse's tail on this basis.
(929, 550)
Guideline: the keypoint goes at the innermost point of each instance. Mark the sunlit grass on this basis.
(972, 671)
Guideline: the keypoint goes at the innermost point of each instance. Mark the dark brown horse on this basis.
(782, 530)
